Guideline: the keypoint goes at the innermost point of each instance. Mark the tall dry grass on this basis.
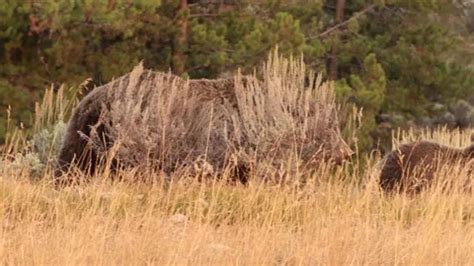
(338, 217)
(330, 220)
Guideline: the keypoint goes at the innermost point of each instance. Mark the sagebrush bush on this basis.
(36, 150)
(47, 142)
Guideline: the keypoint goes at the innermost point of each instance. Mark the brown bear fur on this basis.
(84, 122)
(412, 166)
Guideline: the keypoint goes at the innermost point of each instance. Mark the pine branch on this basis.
(342, 24)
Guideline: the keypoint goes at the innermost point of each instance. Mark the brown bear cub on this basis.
(412, 166)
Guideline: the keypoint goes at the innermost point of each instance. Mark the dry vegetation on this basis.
(338, 216)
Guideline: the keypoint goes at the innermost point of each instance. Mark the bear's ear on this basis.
(472, 137)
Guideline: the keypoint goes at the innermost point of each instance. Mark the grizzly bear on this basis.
(411, 167)
(86, 124)
(150, 118)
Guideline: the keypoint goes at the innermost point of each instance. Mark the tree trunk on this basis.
(181, 39)
(332, 69)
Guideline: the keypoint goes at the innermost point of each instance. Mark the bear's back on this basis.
(415, 161)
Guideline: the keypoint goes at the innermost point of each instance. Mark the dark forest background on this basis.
(405, 62)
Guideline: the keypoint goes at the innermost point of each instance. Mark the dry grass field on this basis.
(338, 216)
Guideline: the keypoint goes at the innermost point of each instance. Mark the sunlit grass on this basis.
(330, 220)
(335, 216)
